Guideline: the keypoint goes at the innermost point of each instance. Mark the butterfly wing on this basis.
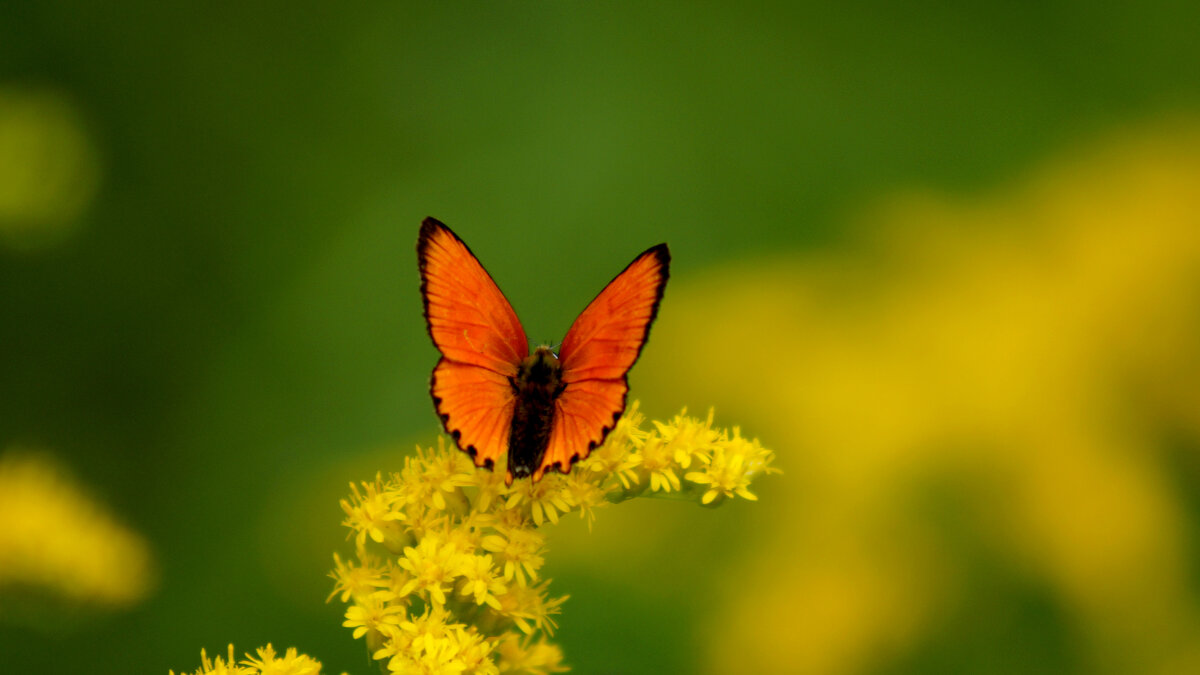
(597, 353)
(481, 340)
(476, 407)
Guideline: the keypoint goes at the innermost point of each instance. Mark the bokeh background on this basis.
(943, 258)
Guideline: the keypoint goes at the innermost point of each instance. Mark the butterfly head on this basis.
(539, 368)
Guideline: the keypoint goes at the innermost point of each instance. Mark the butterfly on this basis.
(494, 396)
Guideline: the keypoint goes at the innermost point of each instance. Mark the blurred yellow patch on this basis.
(56, 540)
(1029, 349)
(49, 168)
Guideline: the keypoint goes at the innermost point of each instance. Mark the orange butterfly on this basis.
(545, 410)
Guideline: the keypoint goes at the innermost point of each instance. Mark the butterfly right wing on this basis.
(597, 353)
(481, 340)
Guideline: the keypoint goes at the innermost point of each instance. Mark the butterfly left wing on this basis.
(476, 406)
(468, 317)
(481, 340)
(597, 353)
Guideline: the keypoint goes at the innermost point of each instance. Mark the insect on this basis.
(547, 410)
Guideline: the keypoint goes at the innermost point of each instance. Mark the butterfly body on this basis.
(537, 384)
(495, 396)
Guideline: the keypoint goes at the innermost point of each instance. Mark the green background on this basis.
(233, 332)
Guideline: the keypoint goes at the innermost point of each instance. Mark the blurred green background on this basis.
(892, 225)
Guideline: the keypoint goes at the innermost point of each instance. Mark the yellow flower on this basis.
(730, 467)
(371, 514)
(546, 498)
(519, 654)
(615, 457)
(467, 534)
(219, 666)
(54, 537)
(356, 580)
(431, 478)
(520, 549)
(397, 580)
(420, 520)
(531, 609)
(432, 563)
(479, 582)
(372, 613)
(658, 461)
(291, 663)
(726, 476)
(504, 519)
(476, 656)
(687, 437)
(471, 533)
(490, 487)
(586, 494)
(266, 663)
(431, 643)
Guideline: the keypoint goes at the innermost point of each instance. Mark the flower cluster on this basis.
(447, 570)
(56, 539)
(266, 663)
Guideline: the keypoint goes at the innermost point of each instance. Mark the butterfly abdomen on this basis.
(537, 384)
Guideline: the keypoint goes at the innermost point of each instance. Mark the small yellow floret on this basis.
(370, 514)
(291, 663)
(432, 563)
(265, 663)
(373, 613)
(521, 655)
(480, 582)
(355, 581)
(520, 549)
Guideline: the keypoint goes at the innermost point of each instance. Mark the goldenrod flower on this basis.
(546, 498)
(584, 494)
(489, 486)
(519, 654)
(430, 478)
(373, 613)
(371, 514)
(432, 564)
(431, 643)
(688, 437)
(291, 663)
(265, 663)
(356, 580)
(726, 476)
(479, 581)
(469, 532)
(531, 608)
(520, 550)
(53, 537)
(219, 666)
(617, 455)
(658, 461)
(729, 467)
(419, 520)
